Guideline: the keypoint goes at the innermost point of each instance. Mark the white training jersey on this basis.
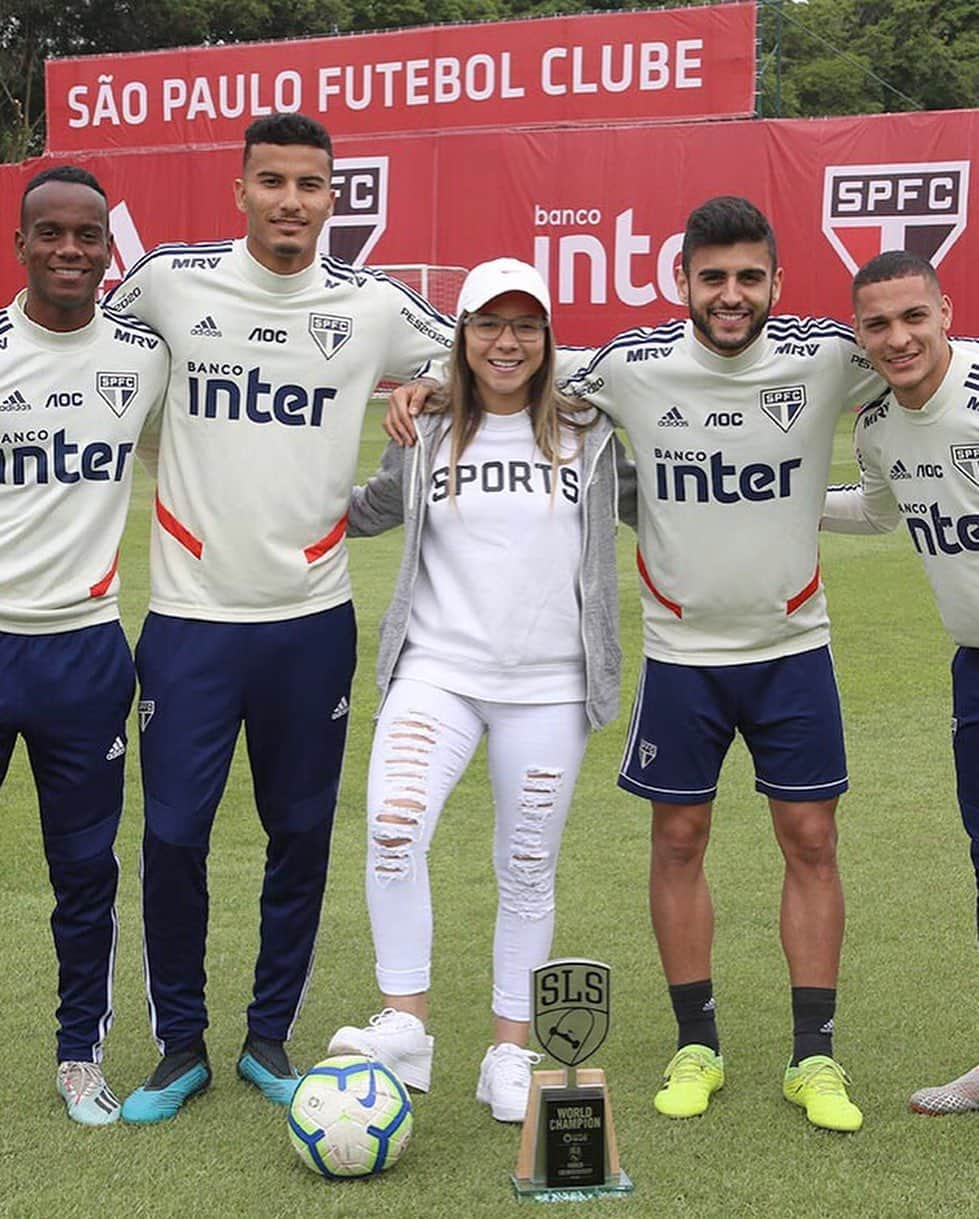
(270, 378)
(732, 456)
(495, 611)
(72, 407)
(924, 466)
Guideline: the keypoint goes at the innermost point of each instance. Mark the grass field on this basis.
(908, 987)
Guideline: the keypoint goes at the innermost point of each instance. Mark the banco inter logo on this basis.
(360, 213)
(921, 207)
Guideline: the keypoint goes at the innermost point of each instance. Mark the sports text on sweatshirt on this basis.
(733, 455)
(72, 408)
(923, 466)
(270, 378)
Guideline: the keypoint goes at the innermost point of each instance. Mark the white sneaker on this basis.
(504, 1080)
(958, 1096)
(395, 1038)
(89, 1098)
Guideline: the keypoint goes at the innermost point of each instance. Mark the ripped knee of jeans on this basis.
(396, 826)
(532, 861)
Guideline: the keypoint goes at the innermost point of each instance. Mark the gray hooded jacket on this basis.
(397, 493)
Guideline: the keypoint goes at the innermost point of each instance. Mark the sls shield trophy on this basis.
(568, 1143)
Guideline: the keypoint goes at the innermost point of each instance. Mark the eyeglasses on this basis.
(487, 326)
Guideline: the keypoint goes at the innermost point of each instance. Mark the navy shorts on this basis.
(965, 740)
(685, 717)
(68, 695)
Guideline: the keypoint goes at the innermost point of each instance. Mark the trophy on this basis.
(568, 1145)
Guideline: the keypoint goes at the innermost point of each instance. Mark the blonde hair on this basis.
(550, 411)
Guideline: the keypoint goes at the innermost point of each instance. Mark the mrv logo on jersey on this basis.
(921, 207)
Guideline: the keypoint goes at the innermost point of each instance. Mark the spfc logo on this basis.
(330, 332)
(784, 405)
(647, 753)
(965, 458)
(571, 1008)
(147, 709)
(360, 212)
(117, 389)
(921, 207)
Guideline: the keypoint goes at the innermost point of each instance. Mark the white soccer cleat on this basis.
(958, 1096)
(394, 1038)
(88, 1097)
(504, 1080)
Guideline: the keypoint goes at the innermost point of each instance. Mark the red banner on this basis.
(636, 67)
(599, 212)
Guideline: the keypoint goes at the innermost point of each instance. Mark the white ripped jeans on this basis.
(424, 740)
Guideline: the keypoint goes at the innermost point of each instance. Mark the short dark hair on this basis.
(288, 129)
(726, 220)
(63, 173)
(895, 264)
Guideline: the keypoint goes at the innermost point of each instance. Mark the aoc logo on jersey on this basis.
(330, 332)
(965, 458)
(783, 405)
(921, 207)
(117, 389)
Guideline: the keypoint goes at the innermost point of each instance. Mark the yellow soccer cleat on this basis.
(692, 1076)
(818, 1085)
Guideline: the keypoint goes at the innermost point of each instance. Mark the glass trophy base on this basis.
(532, 1191)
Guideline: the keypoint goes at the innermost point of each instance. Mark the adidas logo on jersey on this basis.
(15, 402)
(206, 328)
(899, 470)
(673, 418)
(116, 749)
(340, 710)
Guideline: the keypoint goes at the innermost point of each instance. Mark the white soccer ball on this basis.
(350, 1117)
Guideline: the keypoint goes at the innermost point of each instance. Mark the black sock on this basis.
(693, 1006)
(813, 1008)
(271, 1054)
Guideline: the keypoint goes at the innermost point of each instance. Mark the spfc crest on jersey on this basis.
(571, 1008)
(965, 458)
(147, 709)
(647, 752)
(330, 332)
(117, 389)
(918, 206)
(784, 405)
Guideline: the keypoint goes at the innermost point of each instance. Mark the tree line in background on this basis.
(819, 57)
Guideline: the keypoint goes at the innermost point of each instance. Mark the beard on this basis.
(731, 346)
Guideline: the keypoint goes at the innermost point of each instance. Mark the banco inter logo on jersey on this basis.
(117, 389)
(38, 458)
(330, 332)
(920, 206)
(965, 458)
(14, 402)
(231, 392)
(694, 476)
(206, 328)
(783, 405)
(899, 470)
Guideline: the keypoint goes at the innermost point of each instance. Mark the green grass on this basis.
(906, 1014)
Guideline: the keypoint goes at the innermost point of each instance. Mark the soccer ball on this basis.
(350, 1116)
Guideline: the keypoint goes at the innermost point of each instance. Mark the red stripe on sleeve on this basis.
(100, 589)
(319, 549)
(670, 605)
(172, 526)
(804, 594)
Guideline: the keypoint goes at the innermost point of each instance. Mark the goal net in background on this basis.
(439, 285)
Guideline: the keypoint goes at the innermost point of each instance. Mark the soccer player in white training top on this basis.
(731, 415)
(918, 451)
(77, 386)
(275, 353)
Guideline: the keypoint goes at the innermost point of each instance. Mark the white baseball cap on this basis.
(491, 279)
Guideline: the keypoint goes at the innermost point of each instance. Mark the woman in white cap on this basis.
(503, 623)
